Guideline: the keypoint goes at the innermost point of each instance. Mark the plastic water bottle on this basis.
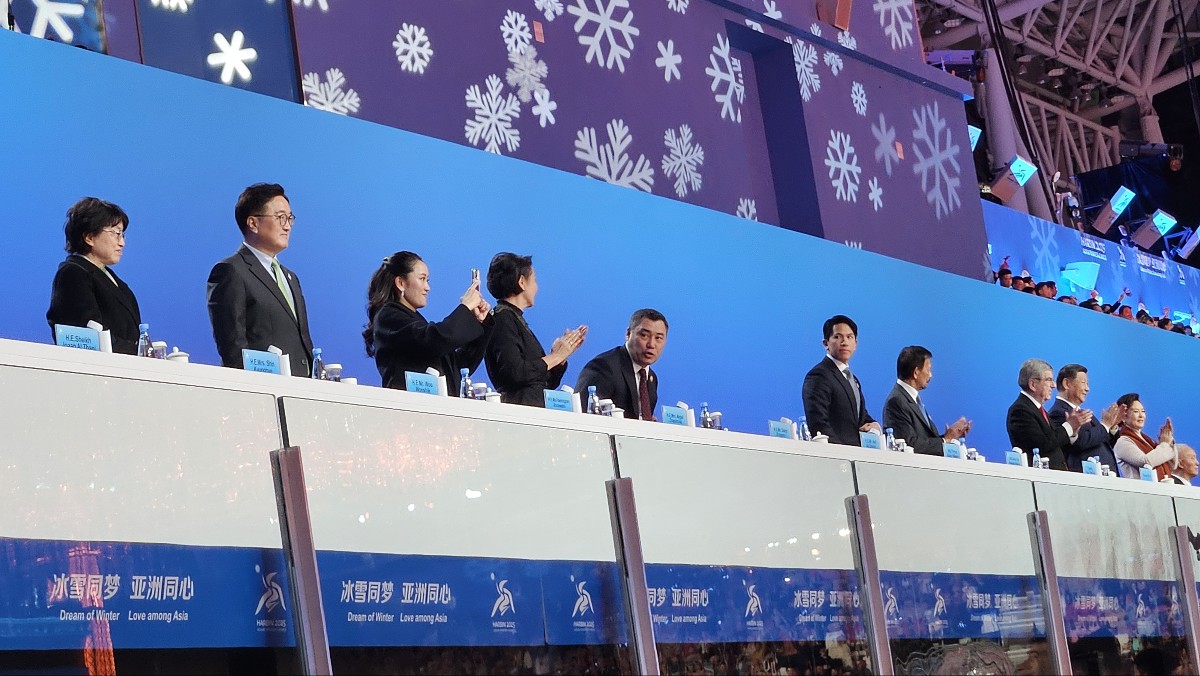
(890, 438)
(464, 385)
(145, 346)
(593, 401)
(706, 420)
(1037, 459)
(805, 434)
(318, 365)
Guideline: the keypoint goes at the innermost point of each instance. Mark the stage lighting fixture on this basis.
(1113, 209)
(1153, 229)
(974, 132)
(1013, 178)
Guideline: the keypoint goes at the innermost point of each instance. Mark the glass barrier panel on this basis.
(141, 530)
(448, 543)
(748, 558)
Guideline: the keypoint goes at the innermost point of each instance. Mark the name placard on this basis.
(779, 429)
(557, 400)
(420, 382)
(260, 361)
(952, 450)
(79, 337)
(1014, 458)
(674, 415)
(1148, 474)
(1090, 467)
(870, 440)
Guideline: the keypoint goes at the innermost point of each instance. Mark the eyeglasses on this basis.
(119, 232)
(281, 218)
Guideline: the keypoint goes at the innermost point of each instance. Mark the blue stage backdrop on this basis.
(745, 300)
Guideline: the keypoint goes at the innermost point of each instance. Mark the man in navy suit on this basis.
(904, 411)
(833, 398)
(1028, 423)
(623, 374)
(253, 301)
(1095, 437)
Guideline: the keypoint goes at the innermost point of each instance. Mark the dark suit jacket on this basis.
(405, 341)
(82, 292)
(514, 359)
(1093, 439)
(829, 404)
(907, 421)
(1027, 430)
(612, 374)
(248, 311)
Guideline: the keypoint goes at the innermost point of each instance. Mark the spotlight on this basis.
(1113, 209)
(1153, 229)
(974, 133)
(1014, 177)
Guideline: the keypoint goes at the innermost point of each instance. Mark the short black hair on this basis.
(1090, 303)
(1128, 399)
(253, 199)
(827, 327)
(1044, 285)
(1068, 372)
(910, 359)
(1004, 272)
(647, 313)
(1164, 322)
(505, 272)
(89, 216)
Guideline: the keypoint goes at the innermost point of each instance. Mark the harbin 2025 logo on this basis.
(271, 604)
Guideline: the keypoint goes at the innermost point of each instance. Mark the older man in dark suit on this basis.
(905, 413)
(833, 399)
(1028, 423)
(623, 374)
(1096, 437)
(253, 301)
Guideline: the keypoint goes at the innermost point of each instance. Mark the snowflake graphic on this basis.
(515, 31)
(896, 20)
(1045, 248)
(683, 160)
(678, 5)
(329, 95)
(834, 61)
(746, 209)
(609, 32)
(543, 107)
(815, 29)
(885, 144)
(232, 57)
(846, 40)
(172, 5)
(843, 166)
(937, 160)
(526, 73)
(495, 113)
(552, 9)
(610, 163)
(754, 25)
(875, 194)
(805, 56)
(770, 9)
(323, 5)
(726, 73)
(668, 60)
(853, 244)
(858, 96)
(413, 49)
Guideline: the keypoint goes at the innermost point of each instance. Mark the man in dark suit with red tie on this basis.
(623, 374)
(833, 399)
(905, 413)
(1029, 425)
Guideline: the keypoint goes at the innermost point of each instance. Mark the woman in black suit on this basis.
(402, 340)
(520, 369)
(85, 287)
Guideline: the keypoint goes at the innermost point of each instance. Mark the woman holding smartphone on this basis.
(401, 339)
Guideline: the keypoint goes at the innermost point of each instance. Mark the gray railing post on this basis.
(1052, 604)
(627, 540)
(870, 590)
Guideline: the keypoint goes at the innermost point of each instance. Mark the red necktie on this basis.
(1044, 416)
(644, 395)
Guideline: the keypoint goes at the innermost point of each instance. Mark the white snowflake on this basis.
(413, 49)
(526, 73)
(858, 96)
(515, 31)
(323, 5)
(552, 9)
(611, 163)
(754, 25)
(770, 9)
(875, 194)
(853, 244)
(896, 20)
(815, 29)
(495, 113)
(543, 107)
(843, 166)
(54, 15)
(1045, 248)
(885, 144)
(232, 57)
(609, 32)
(746, 209)
(329, 95)
(726, 73)
(936, 160)
(172, 5)
(805, 57)
(847, 40)
(678, 5)
(834, 61)
(683, 159)
(668, 60)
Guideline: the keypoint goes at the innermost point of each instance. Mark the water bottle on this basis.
(145, 346)
(706, 420)
(318, 365)
(464, 385)
(804, 433)
(890, 437)
(593, 401)
(1037, 459)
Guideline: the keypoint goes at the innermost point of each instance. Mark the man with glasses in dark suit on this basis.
(905, 413)
(1029, 425)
